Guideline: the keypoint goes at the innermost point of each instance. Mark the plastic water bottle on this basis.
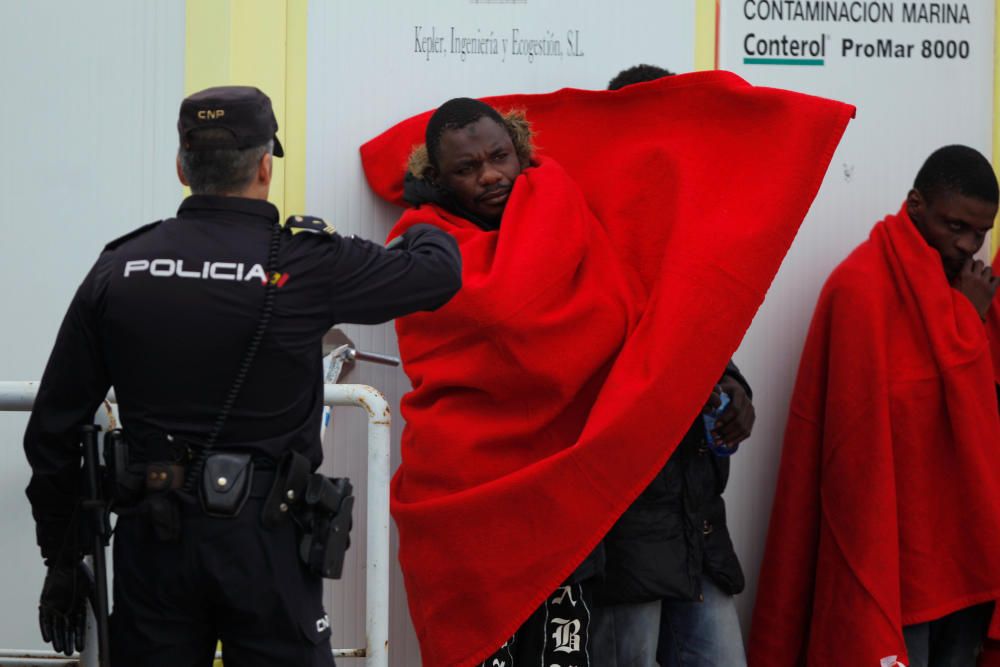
(710, 419)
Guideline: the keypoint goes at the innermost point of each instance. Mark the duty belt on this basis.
(170, 477)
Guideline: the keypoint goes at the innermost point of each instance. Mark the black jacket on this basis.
(676, 529)
(166, 314)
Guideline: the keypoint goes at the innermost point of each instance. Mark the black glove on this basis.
(62, 609)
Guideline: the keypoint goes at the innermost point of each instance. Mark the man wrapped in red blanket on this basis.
(884, 544)
(608, 276)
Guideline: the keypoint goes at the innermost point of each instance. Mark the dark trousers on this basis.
(225, 579)
(557, 633)
(954, 640)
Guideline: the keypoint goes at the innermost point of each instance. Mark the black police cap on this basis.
(243, 111)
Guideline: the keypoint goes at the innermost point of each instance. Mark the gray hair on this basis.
(222, 171)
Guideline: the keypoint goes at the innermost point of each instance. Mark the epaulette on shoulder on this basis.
(131, 235)
(297, 224)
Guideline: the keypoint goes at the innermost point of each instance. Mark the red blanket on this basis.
(991, 654)
(553, 387)
(887, 510)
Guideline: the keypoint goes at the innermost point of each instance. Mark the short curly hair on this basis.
(517, 126)
(960, 170)
(637, 74)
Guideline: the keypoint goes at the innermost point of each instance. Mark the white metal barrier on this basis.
(19, 397)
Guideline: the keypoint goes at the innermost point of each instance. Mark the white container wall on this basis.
(91, 92)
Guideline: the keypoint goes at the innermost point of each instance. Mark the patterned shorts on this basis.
(556, 635)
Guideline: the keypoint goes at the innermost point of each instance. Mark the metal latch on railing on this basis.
(340, 354)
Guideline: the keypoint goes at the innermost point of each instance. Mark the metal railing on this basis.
(20, 396)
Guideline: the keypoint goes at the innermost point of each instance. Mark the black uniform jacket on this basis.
(165, 317)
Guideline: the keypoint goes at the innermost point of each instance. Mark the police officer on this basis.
(209, 327)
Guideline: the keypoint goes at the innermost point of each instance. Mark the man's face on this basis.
(478, 164)
(953, 224)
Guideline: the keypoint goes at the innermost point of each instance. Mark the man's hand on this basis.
(977, 282)
(62, 609)
(714, 400)
(734, 425)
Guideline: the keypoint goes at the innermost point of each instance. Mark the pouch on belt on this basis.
(225, 484)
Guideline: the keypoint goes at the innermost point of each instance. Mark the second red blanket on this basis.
(887, 510)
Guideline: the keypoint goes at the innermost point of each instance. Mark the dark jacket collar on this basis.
(216, 206)
(417, 191)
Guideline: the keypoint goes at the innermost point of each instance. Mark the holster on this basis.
(327, 521)
(124, 481)
(225, 484)
(143, 488)
(322, 509)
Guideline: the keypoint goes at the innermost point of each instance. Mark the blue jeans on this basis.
(954, 640)
(689, 634)
(624, 635)
(702, 633)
